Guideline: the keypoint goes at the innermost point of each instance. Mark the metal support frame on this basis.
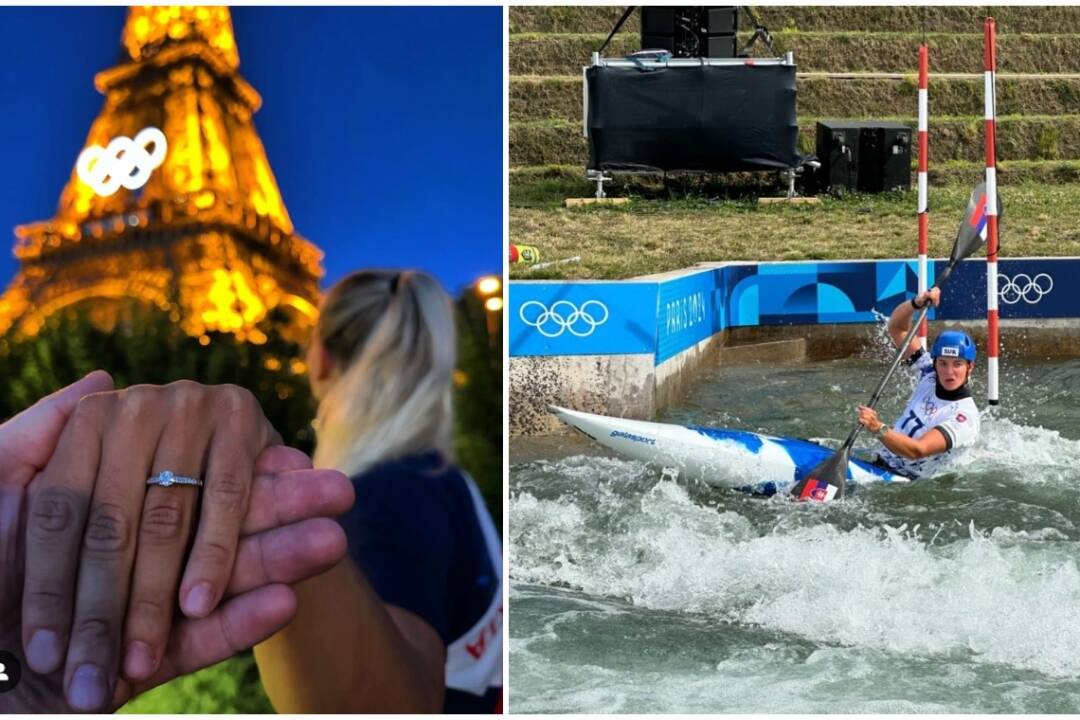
(651, 63)
(598, 177)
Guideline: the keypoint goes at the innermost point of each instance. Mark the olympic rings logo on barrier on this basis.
(565, 316)
(125, 162)
(1024, 287)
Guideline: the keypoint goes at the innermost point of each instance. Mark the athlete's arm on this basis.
(347, 651)
(902, 314)
(932, 442)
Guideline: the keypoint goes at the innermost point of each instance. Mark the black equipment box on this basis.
(862, 155)
(690, 31)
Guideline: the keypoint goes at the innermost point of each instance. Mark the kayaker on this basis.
(941, 417)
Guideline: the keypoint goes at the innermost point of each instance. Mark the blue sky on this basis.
(383, 125)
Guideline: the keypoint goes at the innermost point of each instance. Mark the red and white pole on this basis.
(924, 162)
(992, 337)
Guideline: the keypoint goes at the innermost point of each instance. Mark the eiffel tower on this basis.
(207, 237)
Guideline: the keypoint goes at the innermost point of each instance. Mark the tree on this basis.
(144, 345)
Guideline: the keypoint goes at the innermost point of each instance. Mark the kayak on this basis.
(721, 457)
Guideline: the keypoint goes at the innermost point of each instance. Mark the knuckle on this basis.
(228, 633)
(186, 386)
(108, 529)
(140, 393)
(138, 400)
(187, 394)
(147, 608)
(93, 629)
(90, 408)
(54, 514)
(162, 521)
(214, 552)
(237, 399)
(228, 490)
(45, 596)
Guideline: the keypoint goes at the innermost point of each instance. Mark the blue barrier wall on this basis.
(583, 318)
(666, 317)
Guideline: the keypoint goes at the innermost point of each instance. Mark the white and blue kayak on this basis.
(724, 458)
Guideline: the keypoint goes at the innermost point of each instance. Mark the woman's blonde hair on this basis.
(391, 335)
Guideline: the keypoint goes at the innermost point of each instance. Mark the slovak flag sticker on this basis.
(818, 490)
(978, 218)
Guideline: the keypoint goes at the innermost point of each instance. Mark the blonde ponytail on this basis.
(392, 337)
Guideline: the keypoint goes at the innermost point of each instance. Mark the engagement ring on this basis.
(165, 478)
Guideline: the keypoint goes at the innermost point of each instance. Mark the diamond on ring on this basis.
(166, 478)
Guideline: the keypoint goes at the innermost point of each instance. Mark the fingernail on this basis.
(87, 691)
(138, 662)
(43, 652)
(198, 600)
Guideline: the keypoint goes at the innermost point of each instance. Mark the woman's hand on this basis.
(869, 419)
(287, 536)
(928, 297)
(74, 476)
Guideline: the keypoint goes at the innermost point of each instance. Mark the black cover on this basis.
(722, 118)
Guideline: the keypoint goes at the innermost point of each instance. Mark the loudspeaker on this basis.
(721, 46)
(690, 31)
(870, 157)
(838, 153)
(658, 20)
(721, 20)
(896, 157)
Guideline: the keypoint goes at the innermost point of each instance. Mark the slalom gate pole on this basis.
(924, 161)
(992, 336)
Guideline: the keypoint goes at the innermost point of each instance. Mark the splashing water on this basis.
(958, 594)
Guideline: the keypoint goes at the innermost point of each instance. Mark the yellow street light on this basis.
(488, 285)
(494, 304)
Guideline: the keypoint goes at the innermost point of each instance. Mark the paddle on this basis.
(828, 479)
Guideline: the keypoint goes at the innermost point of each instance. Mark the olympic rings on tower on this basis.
(125, 162)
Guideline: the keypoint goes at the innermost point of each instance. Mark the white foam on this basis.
(987, 595)
(1031, 455)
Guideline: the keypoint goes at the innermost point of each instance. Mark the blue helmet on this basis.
(954, 343)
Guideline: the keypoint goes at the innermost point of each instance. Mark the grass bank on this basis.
(651, 235)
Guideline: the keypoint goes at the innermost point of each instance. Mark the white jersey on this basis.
(957, 419)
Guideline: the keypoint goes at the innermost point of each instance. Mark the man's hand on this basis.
(94, 481)
(27, 440)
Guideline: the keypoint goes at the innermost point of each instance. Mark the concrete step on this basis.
(851, 95)
(560, 142)
(895, 18)
(565, 54)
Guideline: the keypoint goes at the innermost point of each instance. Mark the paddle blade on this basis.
(826, 481)
(972, 233)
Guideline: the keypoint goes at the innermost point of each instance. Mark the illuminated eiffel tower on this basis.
(207, 237)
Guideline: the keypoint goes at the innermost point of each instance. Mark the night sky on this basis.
(383, 126)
